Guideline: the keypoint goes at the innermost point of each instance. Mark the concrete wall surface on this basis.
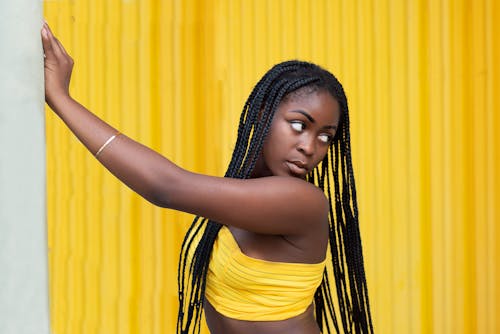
(24, 306)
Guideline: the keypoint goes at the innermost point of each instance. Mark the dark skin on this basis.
(274, 216)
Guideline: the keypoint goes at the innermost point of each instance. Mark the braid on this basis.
(284, 81)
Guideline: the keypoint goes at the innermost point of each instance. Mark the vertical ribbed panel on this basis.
(423, 81)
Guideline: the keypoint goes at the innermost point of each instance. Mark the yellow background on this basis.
(423, 81)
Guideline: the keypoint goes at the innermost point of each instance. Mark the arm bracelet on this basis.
(110, 139)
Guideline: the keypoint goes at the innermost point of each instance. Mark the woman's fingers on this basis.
(58, 66)
(51, 44)
(47, 45)
(55, 46)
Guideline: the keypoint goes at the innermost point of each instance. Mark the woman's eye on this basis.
(325, 138)
(298, 126)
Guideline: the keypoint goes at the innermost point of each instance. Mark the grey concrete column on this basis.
(24, 306)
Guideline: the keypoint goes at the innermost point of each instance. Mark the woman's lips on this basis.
(297, 168)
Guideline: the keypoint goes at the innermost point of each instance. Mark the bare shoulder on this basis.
(268, 205)
(297, 191)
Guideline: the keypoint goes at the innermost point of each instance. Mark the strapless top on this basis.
(246, 288)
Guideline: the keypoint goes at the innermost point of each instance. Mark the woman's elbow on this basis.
(158, 197)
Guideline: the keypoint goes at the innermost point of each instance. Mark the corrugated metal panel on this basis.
(423, 81)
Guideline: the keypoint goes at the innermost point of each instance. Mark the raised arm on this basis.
(271, 205)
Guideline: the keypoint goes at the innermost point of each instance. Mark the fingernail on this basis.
(44, 33)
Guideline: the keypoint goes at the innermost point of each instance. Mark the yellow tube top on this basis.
(245, 288)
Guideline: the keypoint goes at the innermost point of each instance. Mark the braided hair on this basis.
(350, 310)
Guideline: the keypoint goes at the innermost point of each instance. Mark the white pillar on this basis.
(24, 306)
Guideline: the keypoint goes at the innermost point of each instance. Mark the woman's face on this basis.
(300, 134)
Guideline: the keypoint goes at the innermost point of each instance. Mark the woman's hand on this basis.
(58, 67)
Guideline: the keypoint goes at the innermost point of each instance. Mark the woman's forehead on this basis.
(318, 102)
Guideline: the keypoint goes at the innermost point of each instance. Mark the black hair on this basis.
(349, 310)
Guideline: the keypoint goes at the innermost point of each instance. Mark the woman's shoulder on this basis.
(295, 187)
(268, 205)
(291, 200)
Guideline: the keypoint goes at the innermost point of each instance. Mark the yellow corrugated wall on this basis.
(423, 78)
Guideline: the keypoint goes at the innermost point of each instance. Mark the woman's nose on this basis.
(306, 146)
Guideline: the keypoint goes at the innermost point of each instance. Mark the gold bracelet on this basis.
(110, 139)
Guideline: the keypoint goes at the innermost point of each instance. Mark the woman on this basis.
(256, 263)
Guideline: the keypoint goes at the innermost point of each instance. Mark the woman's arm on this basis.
(271, 205)
(134, 164)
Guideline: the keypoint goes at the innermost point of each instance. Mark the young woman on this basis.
(287, 205)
